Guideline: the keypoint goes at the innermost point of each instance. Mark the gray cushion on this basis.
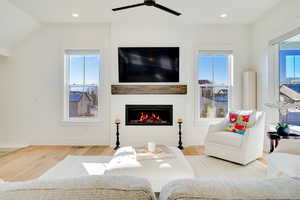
(218, 189)
(83, 188)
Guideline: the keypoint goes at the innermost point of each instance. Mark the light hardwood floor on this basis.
(31, 162)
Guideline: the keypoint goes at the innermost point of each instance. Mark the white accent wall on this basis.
(32, 81)
(190, 39)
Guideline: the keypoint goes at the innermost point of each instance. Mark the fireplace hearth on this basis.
(149, 115)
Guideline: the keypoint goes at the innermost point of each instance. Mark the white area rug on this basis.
(203, 166)
(209, 167)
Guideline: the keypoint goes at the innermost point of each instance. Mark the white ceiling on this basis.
(194, 11)
(294, 39)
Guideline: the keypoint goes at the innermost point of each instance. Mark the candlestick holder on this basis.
(180, 133)
(117, 122)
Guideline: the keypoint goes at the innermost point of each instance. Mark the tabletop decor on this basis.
(161, 152)
(283, 129)
(180, 122)
(151, 147)
(117, 122)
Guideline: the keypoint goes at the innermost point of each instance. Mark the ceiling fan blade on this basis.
(126, 7)
(167, 9)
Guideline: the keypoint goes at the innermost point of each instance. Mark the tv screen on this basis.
(150, 64)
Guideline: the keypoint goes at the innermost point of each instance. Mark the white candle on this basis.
(118, 121)
(179, 120)
(151, 146)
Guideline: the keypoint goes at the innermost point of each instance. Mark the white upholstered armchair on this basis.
(234, 147)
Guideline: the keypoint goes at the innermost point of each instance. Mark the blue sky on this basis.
(91, 69)
(209, 63)
(292, 66)
(289, 65)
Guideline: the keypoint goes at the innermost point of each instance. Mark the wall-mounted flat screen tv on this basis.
(148, 64)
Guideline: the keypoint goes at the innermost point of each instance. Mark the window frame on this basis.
(230, 54)
(66, 88)
(281, 59)
(271, 83)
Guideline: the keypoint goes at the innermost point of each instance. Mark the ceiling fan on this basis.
(149, 3)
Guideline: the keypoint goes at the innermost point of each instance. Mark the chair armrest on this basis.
(290, 146)
(255, 134)
(217, 126)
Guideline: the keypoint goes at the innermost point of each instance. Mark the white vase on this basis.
(151, 146)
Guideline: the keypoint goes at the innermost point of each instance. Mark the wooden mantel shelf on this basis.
(148, 89)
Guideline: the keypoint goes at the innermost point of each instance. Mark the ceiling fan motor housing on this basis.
(149, 2)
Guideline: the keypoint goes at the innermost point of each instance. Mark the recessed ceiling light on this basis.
(75, 15)
(224, 15)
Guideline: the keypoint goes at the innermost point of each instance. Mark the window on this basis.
(289, 79)
(82, 84)
(213, 78)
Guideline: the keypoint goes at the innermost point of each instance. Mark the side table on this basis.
(275, 138)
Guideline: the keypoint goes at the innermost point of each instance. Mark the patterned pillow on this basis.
(237, 123)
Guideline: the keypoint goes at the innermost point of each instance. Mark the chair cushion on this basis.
(225, 138)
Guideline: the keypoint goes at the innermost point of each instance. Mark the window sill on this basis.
(81, 122)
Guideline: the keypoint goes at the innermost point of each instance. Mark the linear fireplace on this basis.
(149, 115)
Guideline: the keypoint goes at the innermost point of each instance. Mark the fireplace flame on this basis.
(146, 117)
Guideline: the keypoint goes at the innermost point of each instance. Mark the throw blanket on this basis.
(124, 158)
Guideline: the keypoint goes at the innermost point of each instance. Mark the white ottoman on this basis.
(159, 171)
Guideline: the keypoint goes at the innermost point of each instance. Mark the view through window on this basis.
(289, 77)
(83, 84)
(213, 79)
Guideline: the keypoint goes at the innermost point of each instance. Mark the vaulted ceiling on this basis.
(15, 24)
(194, 11)
(20, 17)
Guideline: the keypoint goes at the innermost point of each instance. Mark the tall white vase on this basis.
(249, 90)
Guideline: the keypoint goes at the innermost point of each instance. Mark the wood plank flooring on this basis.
(31, 162)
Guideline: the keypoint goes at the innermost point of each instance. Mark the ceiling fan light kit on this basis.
(149, 3)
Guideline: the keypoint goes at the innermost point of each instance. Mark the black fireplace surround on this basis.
(149, 115)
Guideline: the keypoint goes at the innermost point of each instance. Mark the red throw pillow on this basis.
(237, 123)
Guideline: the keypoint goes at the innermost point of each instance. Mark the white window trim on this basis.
(272, 82)
(198, 121)
(81, 121)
